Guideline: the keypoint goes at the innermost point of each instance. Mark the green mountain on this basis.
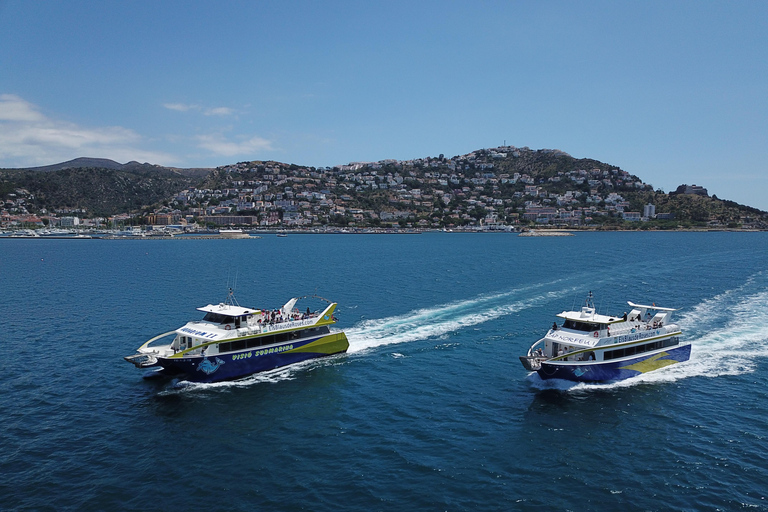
(99, 191)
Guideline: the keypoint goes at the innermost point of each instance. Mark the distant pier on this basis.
(546, 233)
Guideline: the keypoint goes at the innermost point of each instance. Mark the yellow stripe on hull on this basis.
(330, 344)
(650, 364)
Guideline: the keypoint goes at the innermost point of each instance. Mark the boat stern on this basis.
(142, 360)
(531, 363)
(146, 356)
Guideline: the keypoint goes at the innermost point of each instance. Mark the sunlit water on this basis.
(429, 410)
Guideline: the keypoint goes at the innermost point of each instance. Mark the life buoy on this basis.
(595, 334)
(228, 327)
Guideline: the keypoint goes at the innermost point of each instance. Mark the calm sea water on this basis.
(429, 410)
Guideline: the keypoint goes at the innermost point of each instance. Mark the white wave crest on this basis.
(733, 348)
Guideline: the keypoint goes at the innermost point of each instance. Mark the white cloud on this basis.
(219, 111)
(29, 138)
(13, 108)
(218, 145)
(180, 107)
(208, 111)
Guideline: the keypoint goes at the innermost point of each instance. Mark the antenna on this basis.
(231, 300)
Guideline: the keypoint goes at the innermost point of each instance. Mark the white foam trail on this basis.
(715, 310)
(734, 348)
(441, 320)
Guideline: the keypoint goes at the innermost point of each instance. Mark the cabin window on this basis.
(580, 326)
(639, 349)
(270, 339)
(216, 318)
(670, 342)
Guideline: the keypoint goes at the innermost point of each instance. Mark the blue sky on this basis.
(672, 91)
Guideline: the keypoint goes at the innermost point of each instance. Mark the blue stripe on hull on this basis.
(232, 366)
(615, 370)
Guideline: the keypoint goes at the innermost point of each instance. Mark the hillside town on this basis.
(504, 188)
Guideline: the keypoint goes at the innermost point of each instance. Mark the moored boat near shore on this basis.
(231, 342)
(589, 347)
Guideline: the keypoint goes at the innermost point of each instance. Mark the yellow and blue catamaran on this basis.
(231, 342)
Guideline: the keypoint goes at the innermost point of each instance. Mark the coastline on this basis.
(257, 234)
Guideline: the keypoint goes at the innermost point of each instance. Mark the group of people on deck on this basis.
(276, 316)
(649, 325)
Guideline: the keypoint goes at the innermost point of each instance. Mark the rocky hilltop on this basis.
(486, 189)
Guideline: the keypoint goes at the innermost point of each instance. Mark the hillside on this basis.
(490, 188)
(98, 191)
(105, 163)
(102, 163)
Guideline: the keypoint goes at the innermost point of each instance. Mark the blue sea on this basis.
(429, 410)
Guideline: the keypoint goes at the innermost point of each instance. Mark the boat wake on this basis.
(728, 333)
(437, 322)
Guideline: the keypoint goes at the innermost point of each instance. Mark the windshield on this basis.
(580, 326)
(217, 318)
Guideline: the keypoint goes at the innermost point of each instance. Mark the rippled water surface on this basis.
(429, 410)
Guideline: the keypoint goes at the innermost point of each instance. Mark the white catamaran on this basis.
(589, 347)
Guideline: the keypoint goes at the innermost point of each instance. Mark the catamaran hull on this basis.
(235, 365)
(614, 370)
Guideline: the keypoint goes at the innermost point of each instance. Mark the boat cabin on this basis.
(587, 321)
(225, 314)
(224, 321)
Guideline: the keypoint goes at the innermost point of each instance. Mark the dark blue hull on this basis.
(591, 371)
(240, 364)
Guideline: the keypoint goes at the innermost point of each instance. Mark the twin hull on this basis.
(234, 365)
(594, 371)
